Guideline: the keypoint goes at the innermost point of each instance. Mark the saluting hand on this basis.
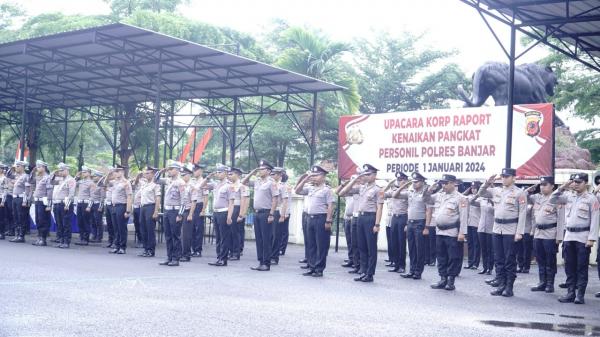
(491, 180)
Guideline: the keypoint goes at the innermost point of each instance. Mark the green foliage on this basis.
(590, 139)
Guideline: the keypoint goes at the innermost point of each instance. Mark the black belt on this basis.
(446, 227)
(416, 220)
(577, 229)
(263, 210)
(367, 213)
(399, 215)
(546, 226)
(506, 221)
(317, 215)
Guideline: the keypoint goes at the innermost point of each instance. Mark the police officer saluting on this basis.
(84, 205)
(42, 197)
(451, 222)
(266, 195)
(150, 205)
(122, 206)
(510, 211)
(19, 202)
(370, 204)
(415, 229)
(62, 201)
(173, 211)
(548, 232)
(320, 209)
(581, 224)
(399, 209)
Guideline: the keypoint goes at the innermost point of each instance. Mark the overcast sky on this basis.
(447, 24)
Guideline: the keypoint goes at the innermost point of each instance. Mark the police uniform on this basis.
(430, 251)
(510, 212)
(4, 214)
(370, 199)
(484, 232)
(97, 194)
(84, 206)
(199, 195)
(399, 210)
(121, 191)
(42, 198)
(173, 207)
(548, 227)
(349, 208)
(187, 227)
(320, 198)
(20, 192)
(451, 220)
(149, 191)
(473, 245)
(417, 201)
(581, 224)
(137, 211)
(214, 188)
(62, 201)
(265, 192)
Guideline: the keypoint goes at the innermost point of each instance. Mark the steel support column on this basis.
(511, 89)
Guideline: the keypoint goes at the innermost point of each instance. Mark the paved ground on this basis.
(88, 292)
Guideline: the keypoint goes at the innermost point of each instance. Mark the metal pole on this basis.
(313, 130)
(337, 221)
(172, 123)
(157, 114)
(65, 137)
(22, 135)
(234, 132)
(511, 89)
(115, 127)
(224, 142)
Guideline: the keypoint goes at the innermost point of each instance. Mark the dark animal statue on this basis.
(533, 83)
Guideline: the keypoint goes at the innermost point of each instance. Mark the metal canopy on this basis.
(571, 27)
(120, 63)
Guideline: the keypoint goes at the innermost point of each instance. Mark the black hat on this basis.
(572, 176)
(186, 170)
(284, 177)
(265, 164)
(221, 168)
(369, 168)
(401, 175)
(581, 176)
(236, 170)
(447, 178)
(417, 176)
(476, 183)
(506, 172)
(318, 170)
(547, 179)
(277, 169)
(198, 166)
(150, 168)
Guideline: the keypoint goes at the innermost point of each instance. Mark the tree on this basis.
(395, 74)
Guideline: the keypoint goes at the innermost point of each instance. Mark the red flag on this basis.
(188, 146)
(202, 145)
(18, 153)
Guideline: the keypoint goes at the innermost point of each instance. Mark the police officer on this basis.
(200, 201)
(581, 224)
(122, 206)
(187, 216)
(320, 210)
(150, 205)
(370, 204)
(236, 211)
(525, 246)
(473, 245)
(213, 182)
(510, 212)
(136, 185)
(280, 210)
(415, 229)
(548, 225)
(97, 197)
(451, 220)
(84, 204)
(19, 203)
(42, 197)
(62, 202)
(399, 210)
(348, 210)
(266, 195)
(7, 201)
(304, 222)
(173, 210)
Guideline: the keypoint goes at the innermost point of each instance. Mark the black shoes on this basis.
(262, 267)
(165, 263)
(569, 297)
(147, 253)
(360, 278)
(409, 275)
(173, 264)
(508, 290)
(82, 243)
(563, 285)
(197, 254)
(367, 279)
(483, 271)
(17, 239)
(348, 265)
(354, 271)
(450, 285)
(416, 277)
(308, 273)
(317, 274)
(185, 259)
(40, 242)
(303, 261)
(120, 251)
(235, 258)
(218, 263)
(597, 295)
(304, 267)
(114, 251)
(441, 284)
